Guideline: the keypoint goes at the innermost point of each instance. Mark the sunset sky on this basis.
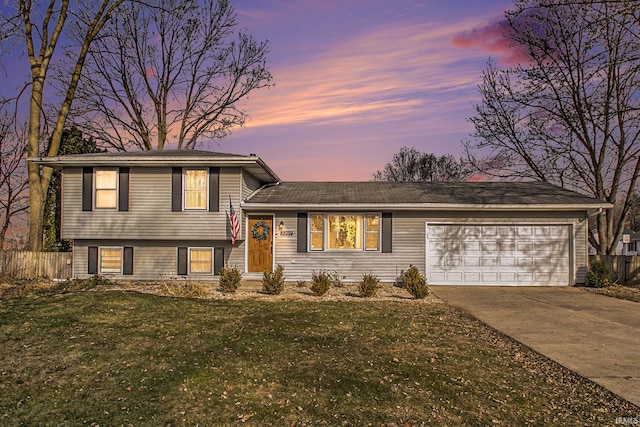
(355, 80)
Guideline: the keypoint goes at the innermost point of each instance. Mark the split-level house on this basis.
(172, 214)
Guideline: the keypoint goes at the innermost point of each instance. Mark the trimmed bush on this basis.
(229, 279)
(321, 282)
(598, 275)
(415, 283)
(273, 283)
(369, 285)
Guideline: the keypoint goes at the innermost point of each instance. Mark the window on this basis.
(317, 236)
(372, 232)
(106, 189)
(195, 189)
(200, 260)
(110, 260)
(344, 232)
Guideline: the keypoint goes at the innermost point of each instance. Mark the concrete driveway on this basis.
(596, 336)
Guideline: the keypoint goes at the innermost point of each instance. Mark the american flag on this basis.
(234, 223)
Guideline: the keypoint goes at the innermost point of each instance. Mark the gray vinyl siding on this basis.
(249, 184)
(149, 215)
(409, 244)
(154, 260)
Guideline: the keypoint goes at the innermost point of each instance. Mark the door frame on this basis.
(248, 236)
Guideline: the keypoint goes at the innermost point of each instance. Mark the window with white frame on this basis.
(201, 260)
(110, 260)
(372, 232)
(106, 188)
(317, 232)
(344, 232)
(195, 189)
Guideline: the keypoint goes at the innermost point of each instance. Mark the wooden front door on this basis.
(260, 236)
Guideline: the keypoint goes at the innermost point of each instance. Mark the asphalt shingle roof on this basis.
(466, 193)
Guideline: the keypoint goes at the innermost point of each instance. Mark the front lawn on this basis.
(117, 358)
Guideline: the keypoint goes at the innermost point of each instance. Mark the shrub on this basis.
(369, 285)
(301, 283)
(229, 279)
(273, 283)
(184, 289)
(321, 282)
(414, 282)
(598, 275)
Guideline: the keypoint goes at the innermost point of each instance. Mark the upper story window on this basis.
(106, 188)
(344, 232)
(195, 189)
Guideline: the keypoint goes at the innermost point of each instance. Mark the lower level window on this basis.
(110, 260)
(201, 260)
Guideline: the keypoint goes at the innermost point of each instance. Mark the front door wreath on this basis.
(260, 230)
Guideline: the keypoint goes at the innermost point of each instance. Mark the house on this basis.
(153, 215)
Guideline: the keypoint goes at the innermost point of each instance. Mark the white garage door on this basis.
(483, 254)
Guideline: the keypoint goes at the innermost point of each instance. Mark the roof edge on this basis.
(428, 206)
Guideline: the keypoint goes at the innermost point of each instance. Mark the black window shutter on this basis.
(176, 190)
(87, 189)
(218, 260)
(123, 188)
(127, 267)
(182, 261)
(302, 232)
(387, 231)
(214, 189)
(92, 258)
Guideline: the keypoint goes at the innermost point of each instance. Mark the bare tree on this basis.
(410, 164)
(175, 72)
(571, 115)
(37, 27)
(13, 176)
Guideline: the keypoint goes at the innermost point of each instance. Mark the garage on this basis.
(498, 254)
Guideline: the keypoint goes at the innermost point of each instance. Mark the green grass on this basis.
(113, 358)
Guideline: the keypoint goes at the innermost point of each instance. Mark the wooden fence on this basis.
(624, 269)
(32, 265)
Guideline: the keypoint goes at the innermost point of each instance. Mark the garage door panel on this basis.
(498, 254)
(490, 277)
(471, 261)
(471, 246)
(507, 277)
(489, 261)
(506, 246)
(507, 261)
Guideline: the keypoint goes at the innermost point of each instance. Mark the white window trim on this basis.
(325, 243)
(95, 189)
(184, 189)
(189, 249)
(121, 249)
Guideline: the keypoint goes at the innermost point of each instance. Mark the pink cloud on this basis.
(491, 38)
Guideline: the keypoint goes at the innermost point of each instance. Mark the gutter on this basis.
(422, 207)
